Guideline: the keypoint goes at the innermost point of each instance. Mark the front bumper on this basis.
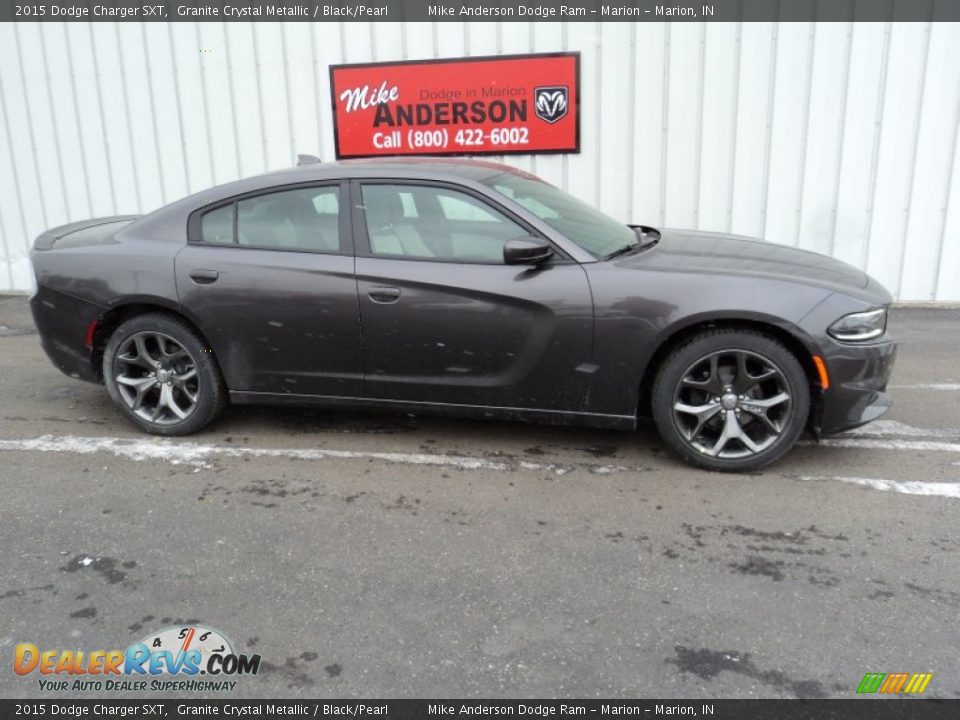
(858, 384)
(62, 321)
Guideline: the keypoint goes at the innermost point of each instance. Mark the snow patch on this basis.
(199, 456)
(905, 487)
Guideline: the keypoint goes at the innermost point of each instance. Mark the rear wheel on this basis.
(731, 400)
(161, 375)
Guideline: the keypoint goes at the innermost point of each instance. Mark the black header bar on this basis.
(894, 708)
(480, 10)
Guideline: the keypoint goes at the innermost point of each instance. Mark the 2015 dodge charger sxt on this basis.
(464, 288)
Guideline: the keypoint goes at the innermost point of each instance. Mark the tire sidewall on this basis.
(211, 392)
(680, 360)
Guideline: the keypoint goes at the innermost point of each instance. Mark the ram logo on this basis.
(552, 102)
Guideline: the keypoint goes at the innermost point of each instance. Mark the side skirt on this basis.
(547, 417)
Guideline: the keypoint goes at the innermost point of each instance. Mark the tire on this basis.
(181, 395)
(730, 400)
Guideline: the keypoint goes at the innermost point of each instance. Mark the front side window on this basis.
(305, 219)
(595, 232)
(437, 223)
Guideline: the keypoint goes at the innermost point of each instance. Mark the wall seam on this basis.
(771, 106)
(88, 183)
(208, 130)
(918, 123)
(16, 181)
(734, 124)
(838, 169)
(30, 133)
(877, 139)
(805, 131)
(179, 102)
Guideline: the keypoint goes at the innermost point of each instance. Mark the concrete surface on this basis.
(379, 555)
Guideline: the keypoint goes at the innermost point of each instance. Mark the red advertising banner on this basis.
(505, 104)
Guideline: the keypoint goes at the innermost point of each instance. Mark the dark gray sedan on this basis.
(462, 288)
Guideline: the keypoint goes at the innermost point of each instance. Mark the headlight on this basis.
(860, 326)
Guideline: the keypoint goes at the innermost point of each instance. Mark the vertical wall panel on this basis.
(683, 136)
(865, 87)
(21, 178)
(825, 136)
(934, 165)
(758, 57)
(841, 138)
(947, 287)
(649, 97)
(610, 165)
(718, 131)
(898, 144)
(788, 144)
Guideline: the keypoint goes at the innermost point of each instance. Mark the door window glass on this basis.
(438, 223)
(217, 226)
(302, 219)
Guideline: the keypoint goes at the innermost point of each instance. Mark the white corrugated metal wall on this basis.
(837, 137)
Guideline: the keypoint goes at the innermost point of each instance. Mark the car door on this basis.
(446, 321)
(269, 278)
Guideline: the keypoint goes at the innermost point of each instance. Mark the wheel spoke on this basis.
(767, 403)
(712, 384)
(744, 381)
(166, 401)
(135, 382)
(135, 360)
(186, 375)
(140, 386)
(731, 430)
(702, 413)
(761, 407)
(140, 342)
(764, 419)
(165, 352)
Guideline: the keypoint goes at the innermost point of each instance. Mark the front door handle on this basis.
(204, 277)
(384, 295)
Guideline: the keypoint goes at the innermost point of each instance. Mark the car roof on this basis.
(427, 167)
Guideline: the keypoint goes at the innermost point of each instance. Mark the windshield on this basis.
(595, 232)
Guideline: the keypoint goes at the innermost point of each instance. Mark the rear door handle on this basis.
(204, 277)
(384, 295)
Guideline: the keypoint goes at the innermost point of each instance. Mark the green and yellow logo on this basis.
(893, 683)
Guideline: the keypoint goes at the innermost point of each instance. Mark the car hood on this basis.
(702, 252)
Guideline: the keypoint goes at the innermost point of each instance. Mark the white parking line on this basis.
(906, 487)
(894, 428)
(197, 455)
(928, 386)
(871, 444)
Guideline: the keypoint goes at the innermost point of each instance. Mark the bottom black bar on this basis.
(874, 708)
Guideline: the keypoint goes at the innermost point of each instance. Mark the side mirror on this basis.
(526, 251)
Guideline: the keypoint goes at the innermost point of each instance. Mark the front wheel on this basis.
(161, 375)
(731, 400)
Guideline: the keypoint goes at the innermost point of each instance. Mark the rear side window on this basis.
(217, 226)
(306, 219)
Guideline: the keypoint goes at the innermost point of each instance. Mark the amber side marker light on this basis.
(822, 372)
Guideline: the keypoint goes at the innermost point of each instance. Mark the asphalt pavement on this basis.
(382, 555)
